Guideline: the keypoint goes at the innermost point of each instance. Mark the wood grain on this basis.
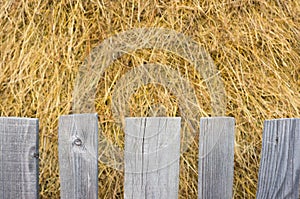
(78, 155)
(19, 158)
(216, 154)
(280, 160)
(152, 152)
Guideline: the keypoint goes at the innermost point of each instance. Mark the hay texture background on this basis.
(255, 44)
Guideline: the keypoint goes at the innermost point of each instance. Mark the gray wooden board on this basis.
(152, 153)
(78, 156)
(19, 157)
(216, 155)
(280, 160)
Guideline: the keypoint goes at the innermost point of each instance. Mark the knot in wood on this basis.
(77, 142)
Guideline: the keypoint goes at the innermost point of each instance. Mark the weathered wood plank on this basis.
(18, 157)
(152, 152)
(279, 172)
(78, 155)
(216, 154)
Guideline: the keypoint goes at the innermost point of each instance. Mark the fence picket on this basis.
(216, 154)
(78, 156)
(19, 157)
(152, 152)
(280, 161)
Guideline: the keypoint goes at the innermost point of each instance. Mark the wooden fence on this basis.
(152, 151)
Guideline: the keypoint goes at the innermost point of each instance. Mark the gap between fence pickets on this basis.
(19, 157)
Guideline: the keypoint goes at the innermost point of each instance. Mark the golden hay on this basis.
(254, 43)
